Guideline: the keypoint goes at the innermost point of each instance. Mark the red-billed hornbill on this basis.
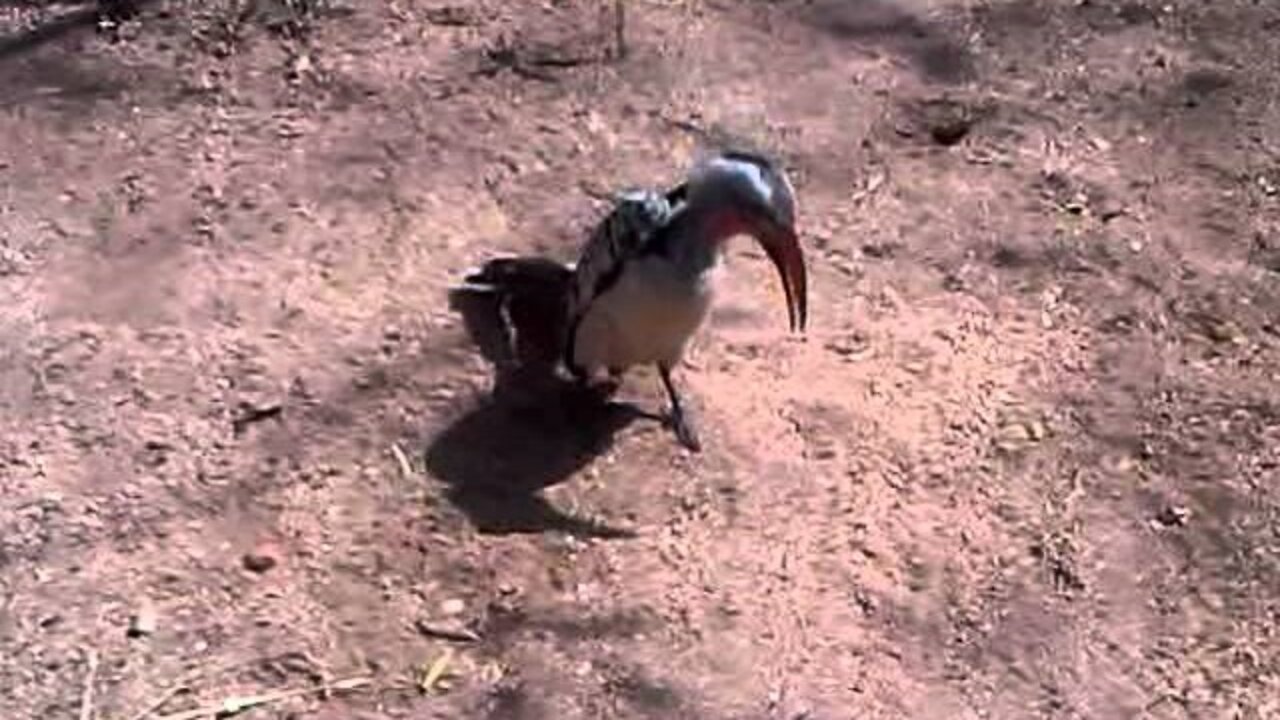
(644, 282)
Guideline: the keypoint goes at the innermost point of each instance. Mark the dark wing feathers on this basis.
(623, 234)
(620, 236)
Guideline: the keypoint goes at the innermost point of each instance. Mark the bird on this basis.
(645, 278)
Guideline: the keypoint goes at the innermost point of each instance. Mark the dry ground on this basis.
(1024, 464)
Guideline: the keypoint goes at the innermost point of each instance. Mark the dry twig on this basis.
(620, 28)
(182, 683)
(90, 677)
(237, 704)
(406, 467)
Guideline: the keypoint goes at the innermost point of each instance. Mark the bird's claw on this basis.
(686, 430)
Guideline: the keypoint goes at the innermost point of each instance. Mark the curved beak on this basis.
(782, 245)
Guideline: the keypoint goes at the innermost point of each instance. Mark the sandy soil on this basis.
(1023, 465)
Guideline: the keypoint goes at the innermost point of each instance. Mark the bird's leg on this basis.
(681, 418)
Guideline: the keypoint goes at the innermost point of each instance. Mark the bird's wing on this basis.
(632, 222)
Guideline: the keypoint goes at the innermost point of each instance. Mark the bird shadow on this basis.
(537, 428)
(886, 23)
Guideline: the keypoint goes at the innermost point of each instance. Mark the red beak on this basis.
(782, 245)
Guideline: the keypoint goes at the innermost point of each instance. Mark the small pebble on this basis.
(453, 606)
(261, 558)
(1174, 516)
(1036, 430)
(1015, 433)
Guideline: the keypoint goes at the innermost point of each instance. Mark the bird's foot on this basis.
(682, 420)
(686, 429)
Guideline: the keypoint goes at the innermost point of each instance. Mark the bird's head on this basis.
(747, 194)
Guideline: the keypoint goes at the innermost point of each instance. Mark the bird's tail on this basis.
(515, 308)
(509, 273)
(483, 279)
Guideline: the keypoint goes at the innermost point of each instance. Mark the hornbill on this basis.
(645, 279)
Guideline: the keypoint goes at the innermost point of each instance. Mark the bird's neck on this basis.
(704, 236)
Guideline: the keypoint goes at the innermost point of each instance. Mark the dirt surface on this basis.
(1023, 465)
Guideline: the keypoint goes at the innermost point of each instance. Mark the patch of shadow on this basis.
(511, 700)
(881, 250)
(537, 429)
(57, 80)
(636, 688)
(625, 623)
(1209, 445)
(734, 316)
(884, 23)
(498, 457)
(1137, 13)
(1110, 17)
(1008, 256)
(1201, 85)
(1265, 253)
(941, 120)
(503, 623)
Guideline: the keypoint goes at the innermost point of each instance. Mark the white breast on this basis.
(648, 316)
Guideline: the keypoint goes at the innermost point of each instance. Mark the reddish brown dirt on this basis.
(1023, 465)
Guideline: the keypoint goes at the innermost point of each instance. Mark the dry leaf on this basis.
(431, 678)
